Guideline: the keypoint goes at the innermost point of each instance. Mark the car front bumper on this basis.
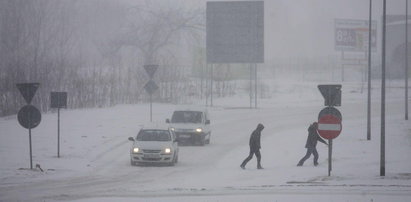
(190, 137)
(151, 158)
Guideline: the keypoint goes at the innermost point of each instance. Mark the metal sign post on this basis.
(150, 88)
(151, 107)
(31, 153)
(253, 90)
(382, 149)
(406, 59)
(255, 86)
(58, 132)
(211, 85)
(369, 76)
(330, 152)
(251, 86)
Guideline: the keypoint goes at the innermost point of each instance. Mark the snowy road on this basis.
(95, 161)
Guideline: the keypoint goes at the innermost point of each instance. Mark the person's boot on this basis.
(259, 166)
(242, 166)
(300, 164)
(315, 163)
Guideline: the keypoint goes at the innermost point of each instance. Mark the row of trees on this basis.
(94, 50)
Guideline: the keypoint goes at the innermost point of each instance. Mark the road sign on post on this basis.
(329, 127)
(151, 85)
(29, 116)
(58, 100)
(329, 119)
(235, 34)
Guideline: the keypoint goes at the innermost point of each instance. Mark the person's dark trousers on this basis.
(308, 154)
(250, 156)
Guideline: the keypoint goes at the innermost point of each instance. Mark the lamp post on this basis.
(369, 76)
(406, 59)
(382, 149)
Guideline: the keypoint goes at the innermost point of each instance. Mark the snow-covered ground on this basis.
(94, 163)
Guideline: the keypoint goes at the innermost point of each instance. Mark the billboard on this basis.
(352, 35)
(235, 32)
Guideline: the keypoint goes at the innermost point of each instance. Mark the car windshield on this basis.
(186, 117)
(153, 135)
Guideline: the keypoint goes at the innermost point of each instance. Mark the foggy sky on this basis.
(305, 28)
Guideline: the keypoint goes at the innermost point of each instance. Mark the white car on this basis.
(155, 144)
(191, 126)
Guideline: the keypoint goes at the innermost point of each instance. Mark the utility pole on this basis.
(369, 76)
(406, 59)
(382, 151)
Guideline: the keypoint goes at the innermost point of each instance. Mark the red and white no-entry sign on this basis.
(329, 126)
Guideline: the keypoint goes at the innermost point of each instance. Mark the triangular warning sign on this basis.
(151, 69)
(28, 90)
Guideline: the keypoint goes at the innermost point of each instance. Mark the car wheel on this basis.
(173, 162)
(202, 141)
(208, 140)
(132, 163)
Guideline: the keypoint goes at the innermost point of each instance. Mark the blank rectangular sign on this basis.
(235, 32)
(58, 99)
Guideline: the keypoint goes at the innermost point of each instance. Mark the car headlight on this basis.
(136, 150)
(167, 150)
(199, 130)
(172, 129)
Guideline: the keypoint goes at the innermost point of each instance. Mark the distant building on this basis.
(395, 46)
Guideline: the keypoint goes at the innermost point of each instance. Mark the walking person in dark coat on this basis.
(311, 144)
(255, 147)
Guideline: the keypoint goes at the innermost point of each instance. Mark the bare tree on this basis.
(153, 28)
(90, 49)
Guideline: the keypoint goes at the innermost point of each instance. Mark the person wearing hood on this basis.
(311, 144)
(255, 147)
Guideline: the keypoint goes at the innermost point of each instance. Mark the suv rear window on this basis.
(186, 117)
(154, 135)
